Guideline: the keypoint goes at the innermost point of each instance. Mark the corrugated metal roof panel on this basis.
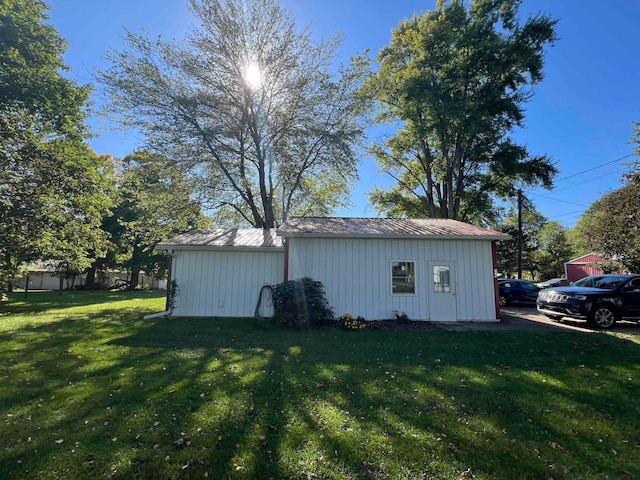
(225, 237)
(385, 227)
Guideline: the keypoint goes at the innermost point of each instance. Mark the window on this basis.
(529, 286)
(403, 277)
(607, 282)
(441, 279)
(633, 286)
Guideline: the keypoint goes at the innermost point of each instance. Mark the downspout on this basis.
(168, 310)
(286, 259)
(169, 275)
(496, 294)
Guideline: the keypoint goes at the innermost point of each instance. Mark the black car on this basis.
(600, 299)
(516, 292)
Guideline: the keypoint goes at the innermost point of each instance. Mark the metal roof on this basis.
(242, 238)
(587, 258)
(434, 228)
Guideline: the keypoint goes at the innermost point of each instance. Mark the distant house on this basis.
(44, 276)
(431, 269)
(41, 276)
(584, 266)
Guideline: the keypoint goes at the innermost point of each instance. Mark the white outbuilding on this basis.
(430, 269)
(220, 272)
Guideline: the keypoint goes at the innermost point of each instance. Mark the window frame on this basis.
(392, 276)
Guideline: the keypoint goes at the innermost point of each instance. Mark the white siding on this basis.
(356, 274)
(45, 281)
(223, 283)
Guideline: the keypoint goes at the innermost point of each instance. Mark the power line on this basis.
(594, 168)
(585, 181)
(570, 213)
(558, 200)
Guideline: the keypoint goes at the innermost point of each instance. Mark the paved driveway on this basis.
(528, 319)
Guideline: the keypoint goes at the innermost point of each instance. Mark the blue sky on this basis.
(581, 115)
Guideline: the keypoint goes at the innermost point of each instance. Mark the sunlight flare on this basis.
(253, 76)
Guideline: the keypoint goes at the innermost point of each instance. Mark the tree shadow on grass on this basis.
(511, 413)
(43, 301)
(178, 398)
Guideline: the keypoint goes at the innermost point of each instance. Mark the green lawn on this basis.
(90, 390)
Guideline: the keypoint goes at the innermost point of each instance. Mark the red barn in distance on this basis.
(589, 264)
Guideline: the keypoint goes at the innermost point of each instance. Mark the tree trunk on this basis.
(269, 217)
(135, 277)
(91, 277)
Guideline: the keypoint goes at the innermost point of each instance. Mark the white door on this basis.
(442, 292)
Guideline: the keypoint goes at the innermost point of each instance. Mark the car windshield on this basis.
(599, 281)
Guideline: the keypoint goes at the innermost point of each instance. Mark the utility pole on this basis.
(519, 233)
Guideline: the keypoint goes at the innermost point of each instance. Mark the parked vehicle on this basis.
(554, 282)
(600, 299)
(516, 292)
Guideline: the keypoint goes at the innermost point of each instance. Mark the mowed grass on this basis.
(90, 390)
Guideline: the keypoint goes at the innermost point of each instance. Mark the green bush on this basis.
(301, 303)
(402, 317)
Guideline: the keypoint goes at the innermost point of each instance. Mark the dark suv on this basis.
(601, 299)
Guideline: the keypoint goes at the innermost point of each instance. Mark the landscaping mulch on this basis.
(401, 325)
(391, 325)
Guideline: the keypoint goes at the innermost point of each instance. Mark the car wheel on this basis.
(602, 317)
(553, 317)
(502, 300)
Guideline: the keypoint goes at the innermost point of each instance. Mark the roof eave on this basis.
(226, 248)
(394, 236)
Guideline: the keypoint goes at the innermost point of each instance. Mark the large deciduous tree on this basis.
(545, 246)
(154, 203)
(52, 187)
(455, 81)
(508, 251)
(248, 104)
(611, 225)
(554, 249)
(30, 79)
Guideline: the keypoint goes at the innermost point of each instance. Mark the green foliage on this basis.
(54, 190)
(456, 80)
(545, 246)
(101, 393)
(553, 251)
(579, 245)
(301, 303)
(30, 79)
(611, 225)
(507, 251)
(154, 203)
(174, 292)
(401, 317)
(260, 147)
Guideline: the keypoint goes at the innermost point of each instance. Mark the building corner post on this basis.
(286, 258)
(496, 290)
(169, 273)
